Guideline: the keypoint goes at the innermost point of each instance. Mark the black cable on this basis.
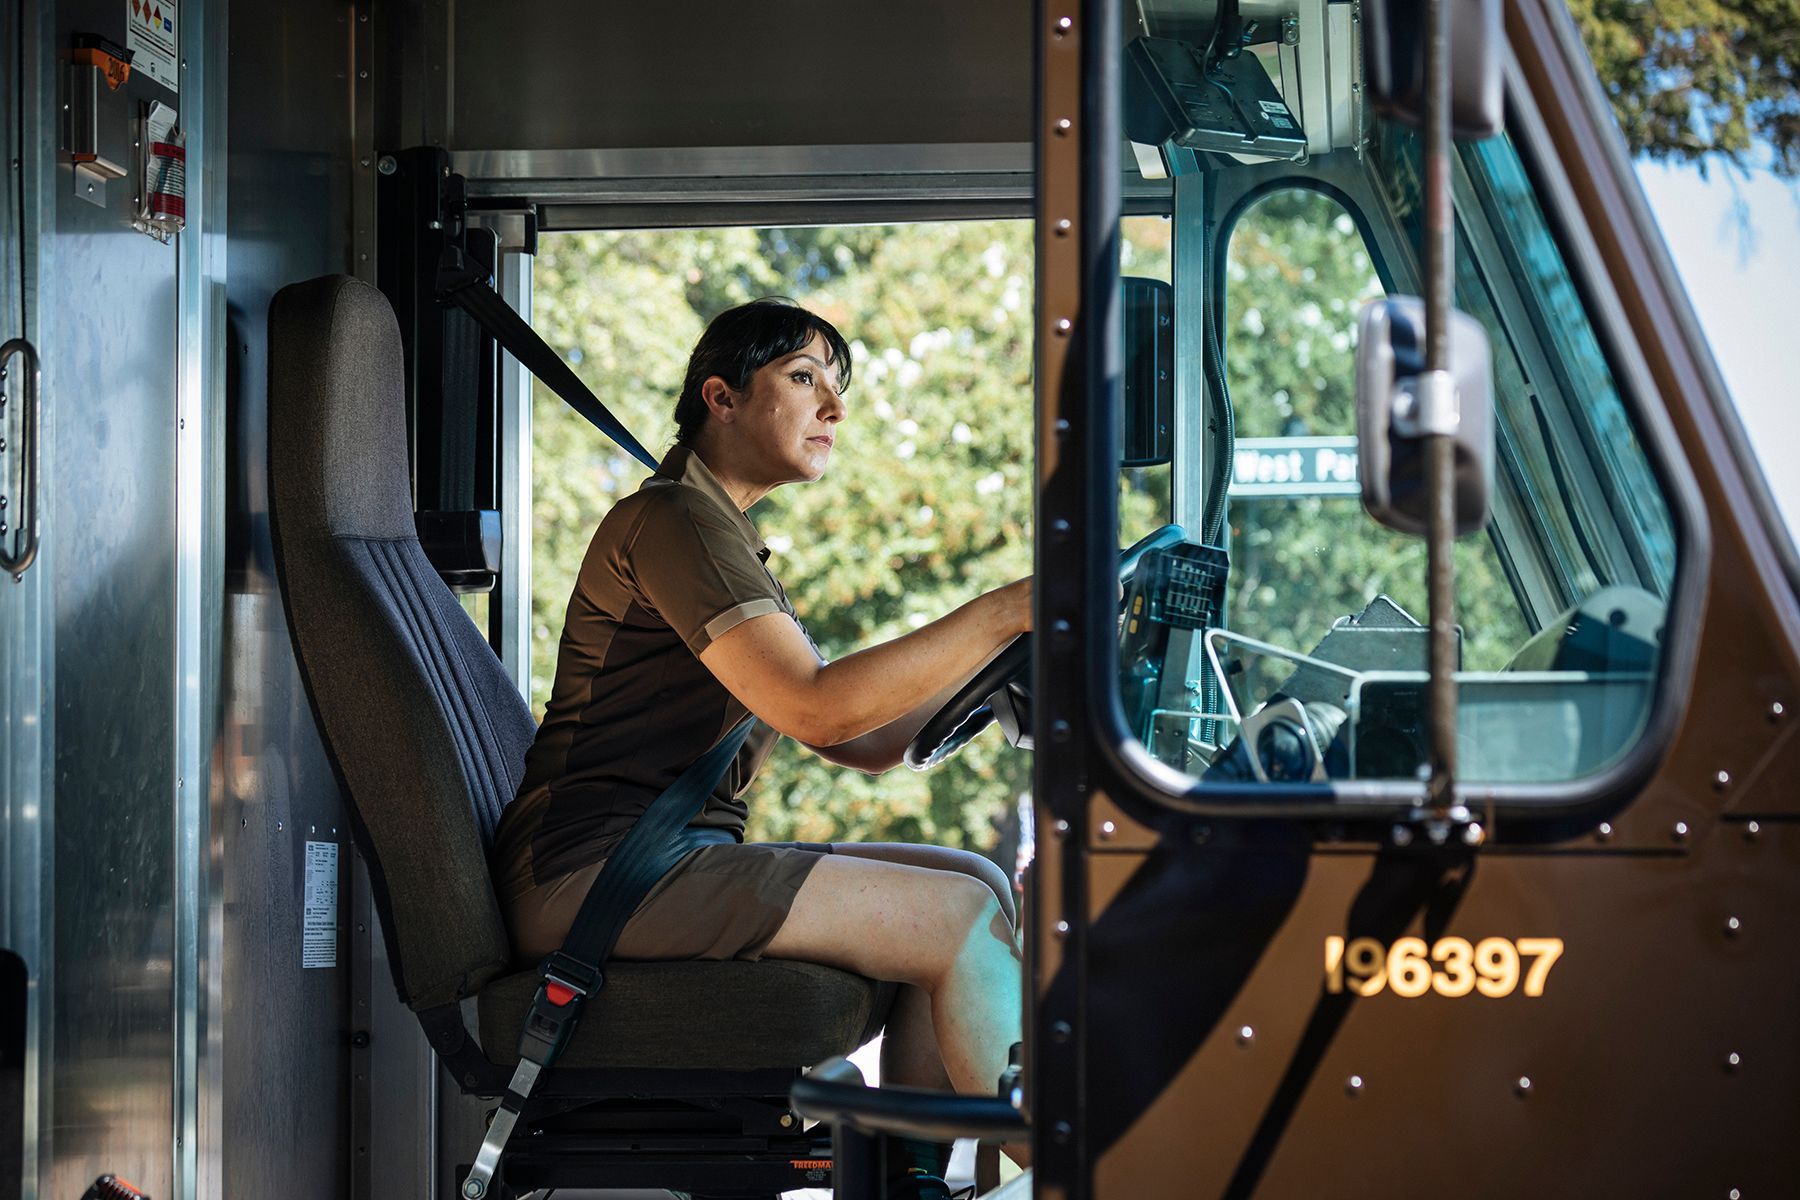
(1225, 430)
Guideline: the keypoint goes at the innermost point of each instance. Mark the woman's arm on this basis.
(884, 749)
(767, 663)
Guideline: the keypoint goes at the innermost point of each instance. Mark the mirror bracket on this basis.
(1426, 404)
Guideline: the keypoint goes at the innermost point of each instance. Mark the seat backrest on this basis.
(424, 728)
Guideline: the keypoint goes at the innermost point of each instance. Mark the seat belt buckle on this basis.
(567, 983)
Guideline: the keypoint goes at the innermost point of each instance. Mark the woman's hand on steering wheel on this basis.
(970, 710)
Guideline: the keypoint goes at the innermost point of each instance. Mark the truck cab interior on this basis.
(295, 581)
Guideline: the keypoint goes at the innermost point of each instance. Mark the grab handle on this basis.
(15, 564)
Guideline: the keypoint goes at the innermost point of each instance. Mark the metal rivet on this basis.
(365, 160)
(1063, 125)
(1063, 325)
(1062, 227)
(362, 74)
(1523, 1086)
(1062, 1131)
(1732, 925)
(1062, 427)
(1064, 25)
(1246, 1035)
(1777, 710)
(1107, 829)
(1473, 834)
(1061, 1031)
(1734, 1194)
(1062, 929)
(1059, 528)
(1604, 832)
(1402, 835)
(1732, 1061)
(1680, 831)
(1354, 1085)
(1752, 830)
(1060, 730)
(1062, 827)
(1721, 780)
(279, 827)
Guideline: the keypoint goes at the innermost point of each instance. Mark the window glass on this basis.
(1308, 664)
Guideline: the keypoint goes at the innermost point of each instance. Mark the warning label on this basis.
(319, 914)
(153, 35)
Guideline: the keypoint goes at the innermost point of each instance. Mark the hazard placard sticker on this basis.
(153, 35)
(318, 912)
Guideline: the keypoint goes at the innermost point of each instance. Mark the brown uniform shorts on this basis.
(719, 902)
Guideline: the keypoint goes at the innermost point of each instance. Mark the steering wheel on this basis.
(1002, 688)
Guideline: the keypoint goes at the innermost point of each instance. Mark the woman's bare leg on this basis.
(943, 932)
(939, 858)
(909, 1050)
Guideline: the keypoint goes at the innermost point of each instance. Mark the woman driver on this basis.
(675, 630)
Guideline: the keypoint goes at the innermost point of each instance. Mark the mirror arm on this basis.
(1436, 408)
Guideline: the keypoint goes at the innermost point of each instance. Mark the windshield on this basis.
(1309, 664)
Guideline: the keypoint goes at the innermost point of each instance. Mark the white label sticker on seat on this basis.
(319, 913)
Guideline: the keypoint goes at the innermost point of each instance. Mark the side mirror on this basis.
(1392, 418)
(1147, 406)
(1395, 56)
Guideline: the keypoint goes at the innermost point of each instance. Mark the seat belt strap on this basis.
(653, 845)
(469, 291)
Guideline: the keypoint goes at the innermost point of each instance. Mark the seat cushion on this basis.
(719, 1015)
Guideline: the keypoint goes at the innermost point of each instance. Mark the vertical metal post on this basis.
(856, 1168)
(1189, 235)
(512, 618)
(1440, 447)
(199, 587)
(27, 626)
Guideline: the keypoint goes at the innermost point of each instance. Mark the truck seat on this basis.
(427, 735)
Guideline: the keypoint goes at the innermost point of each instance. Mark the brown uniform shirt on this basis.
(672, 567)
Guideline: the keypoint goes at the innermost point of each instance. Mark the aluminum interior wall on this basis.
(110, 367)
(286, 1030)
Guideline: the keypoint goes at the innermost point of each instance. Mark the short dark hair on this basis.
(741, 341)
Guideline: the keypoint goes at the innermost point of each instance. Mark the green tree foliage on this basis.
(1690, 78)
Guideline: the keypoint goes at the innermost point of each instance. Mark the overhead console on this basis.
(1277, 82)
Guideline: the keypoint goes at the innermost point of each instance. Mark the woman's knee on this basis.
(976, 924)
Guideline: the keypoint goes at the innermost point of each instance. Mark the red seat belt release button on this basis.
(558, 994)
